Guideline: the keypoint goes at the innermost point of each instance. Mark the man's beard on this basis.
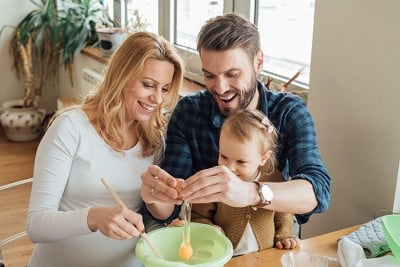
(246, 96)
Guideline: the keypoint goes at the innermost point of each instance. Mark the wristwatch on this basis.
(266, 194)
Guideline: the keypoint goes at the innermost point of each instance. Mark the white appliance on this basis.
(90, 79)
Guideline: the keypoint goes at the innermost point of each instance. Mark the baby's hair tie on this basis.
(265, 121)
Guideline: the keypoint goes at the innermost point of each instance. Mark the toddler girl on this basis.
(247, 147)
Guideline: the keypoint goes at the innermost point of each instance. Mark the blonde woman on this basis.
(247, 147)
(114, 134)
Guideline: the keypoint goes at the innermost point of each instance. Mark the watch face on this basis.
(267, 193)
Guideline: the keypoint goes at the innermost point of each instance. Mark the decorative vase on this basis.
(110, 39)
(21, 124)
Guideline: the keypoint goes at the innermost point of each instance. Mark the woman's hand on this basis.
(159, 186)
(159, 191)
(115, 222)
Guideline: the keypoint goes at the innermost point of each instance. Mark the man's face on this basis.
(231, 78)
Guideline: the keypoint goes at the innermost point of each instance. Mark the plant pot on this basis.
(21, 124)
(110, 39)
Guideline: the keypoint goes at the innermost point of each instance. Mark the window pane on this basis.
(286, 36)
(191, 16)
(148, 13)
(109, 5)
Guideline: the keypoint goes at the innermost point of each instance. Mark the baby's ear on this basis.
(265, 157)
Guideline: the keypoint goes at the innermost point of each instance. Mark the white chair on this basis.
(18, 235)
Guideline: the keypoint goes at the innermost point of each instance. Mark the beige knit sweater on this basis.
(268, 226)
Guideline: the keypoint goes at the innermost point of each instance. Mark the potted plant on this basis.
(137, 23)
(111, 34)
(47, 37)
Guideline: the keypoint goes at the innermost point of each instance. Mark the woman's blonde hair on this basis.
(107, 102)
(253, 125)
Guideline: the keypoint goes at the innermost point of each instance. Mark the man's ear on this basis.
(265, 157)
(258, 62)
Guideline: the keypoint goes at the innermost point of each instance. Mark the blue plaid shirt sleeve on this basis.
(187, 142)
(176, 156)
(192, 136)
(178, 160)
(298, 154)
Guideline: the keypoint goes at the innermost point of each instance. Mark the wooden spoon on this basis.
(122, 204)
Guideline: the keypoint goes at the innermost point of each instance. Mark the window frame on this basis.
(166, 28)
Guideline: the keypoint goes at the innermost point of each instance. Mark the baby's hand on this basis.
(288, 243)
(219, 228)
(176, 222)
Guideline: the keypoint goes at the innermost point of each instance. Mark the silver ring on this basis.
(152, 191)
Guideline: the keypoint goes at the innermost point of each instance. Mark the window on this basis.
(190, 17)
(286, 36)
(126, 12)
(285, 27)
(147, 12)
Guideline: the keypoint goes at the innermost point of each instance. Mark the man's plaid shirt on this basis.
(193, 137)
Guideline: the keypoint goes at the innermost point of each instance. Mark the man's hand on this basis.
(219, 184)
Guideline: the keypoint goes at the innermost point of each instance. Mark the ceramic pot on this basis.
(19, 123)
(110, 39)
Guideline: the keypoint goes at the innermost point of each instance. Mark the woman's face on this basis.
(242, 158)
(145, 93)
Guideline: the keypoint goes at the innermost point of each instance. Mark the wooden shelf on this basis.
(190, 87)
(95, 53)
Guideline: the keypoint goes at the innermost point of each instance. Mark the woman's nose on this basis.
(157, 97)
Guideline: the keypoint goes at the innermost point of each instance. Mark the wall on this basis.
(11, 13)
(354, 98)
(66, 89)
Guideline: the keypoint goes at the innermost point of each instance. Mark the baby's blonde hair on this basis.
(253, 125)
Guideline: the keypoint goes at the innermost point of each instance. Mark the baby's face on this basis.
(242, 158)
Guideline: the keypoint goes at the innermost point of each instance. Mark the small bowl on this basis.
(391, 230)
(307, 259)
(211, 248)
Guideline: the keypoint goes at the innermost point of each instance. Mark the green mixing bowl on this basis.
(211, 248)
(391, 230)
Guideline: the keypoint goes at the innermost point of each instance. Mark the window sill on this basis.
(95, 53)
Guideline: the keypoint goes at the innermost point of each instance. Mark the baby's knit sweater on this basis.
(268, 226)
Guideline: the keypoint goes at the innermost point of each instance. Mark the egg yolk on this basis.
(185, 252)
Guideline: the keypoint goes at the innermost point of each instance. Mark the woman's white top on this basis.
(70, 161)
